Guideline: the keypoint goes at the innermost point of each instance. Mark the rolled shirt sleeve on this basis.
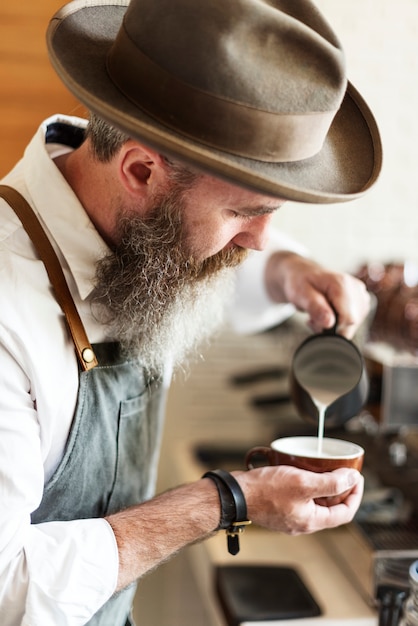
(70, 569)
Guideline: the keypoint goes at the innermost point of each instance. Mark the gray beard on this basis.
(156, 299)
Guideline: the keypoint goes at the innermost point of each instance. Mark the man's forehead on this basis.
(240, 193)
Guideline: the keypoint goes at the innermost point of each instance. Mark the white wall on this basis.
(380, 38)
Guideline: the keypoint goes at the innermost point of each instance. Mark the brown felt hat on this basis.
(254, 91)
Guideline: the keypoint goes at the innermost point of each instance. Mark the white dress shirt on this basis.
(58, 572)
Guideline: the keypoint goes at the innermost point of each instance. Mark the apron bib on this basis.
(111, 456)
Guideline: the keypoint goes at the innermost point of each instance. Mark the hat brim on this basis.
(79, 37)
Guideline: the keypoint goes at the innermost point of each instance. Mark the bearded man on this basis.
(119, 248)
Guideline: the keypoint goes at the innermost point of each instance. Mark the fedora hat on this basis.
(254, 91)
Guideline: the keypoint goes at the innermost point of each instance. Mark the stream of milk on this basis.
(322, 399)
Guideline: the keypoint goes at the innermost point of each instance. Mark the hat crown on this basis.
(293, 60)
(253, 91)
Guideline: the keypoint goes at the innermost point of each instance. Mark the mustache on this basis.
(227, 258)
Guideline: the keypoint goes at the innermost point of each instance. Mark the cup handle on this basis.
(257, 451)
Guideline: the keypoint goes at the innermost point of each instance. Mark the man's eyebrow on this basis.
(262, 209)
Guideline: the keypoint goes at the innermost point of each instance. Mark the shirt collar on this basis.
(59, 208)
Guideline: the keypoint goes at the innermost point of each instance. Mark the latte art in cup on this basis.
(303, 452)
(333, 450)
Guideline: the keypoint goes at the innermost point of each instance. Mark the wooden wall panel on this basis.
(30, 90)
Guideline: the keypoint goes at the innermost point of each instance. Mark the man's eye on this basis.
(237, 215)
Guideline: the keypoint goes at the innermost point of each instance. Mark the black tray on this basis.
(256, 593)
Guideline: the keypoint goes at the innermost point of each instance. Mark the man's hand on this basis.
(294, 501)
(316, 291)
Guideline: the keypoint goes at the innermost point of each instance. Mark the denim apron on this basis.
(111, 456)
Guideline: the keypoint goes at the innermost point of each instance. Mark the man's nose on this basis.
(255, 234)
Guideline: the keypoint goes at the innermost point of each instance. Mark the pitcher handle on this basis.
(333, 329)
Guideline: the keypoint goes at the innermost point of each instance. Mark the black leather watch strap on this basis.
(233, 516)
(227, 502)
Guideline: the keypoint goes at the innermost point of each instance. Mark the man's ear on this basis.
(140, 168)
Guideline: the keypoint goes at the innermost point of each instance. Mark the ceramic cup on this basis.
(302, 452)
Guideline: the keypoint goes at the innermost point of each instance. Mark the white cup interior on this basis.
(308, 447)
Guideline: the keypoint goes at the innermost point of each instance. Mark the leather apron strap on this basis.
(32, 226)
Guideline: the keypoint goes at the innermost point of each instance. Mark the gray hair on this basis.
(106, 141)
